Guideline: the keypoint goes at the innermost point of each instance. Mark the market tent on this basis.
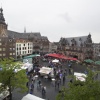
(80, 76)
(27, 65)
(31, 56)
(55, 55)
(97, 62)
(45, 70)
(31, 97)
(89, 61)
(55, 60)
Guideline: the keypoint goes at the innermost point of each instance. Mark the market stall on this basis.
(46, 71)
(27, 65)
(55, 61)
(80, 76)
(31, 97)
(4, 94)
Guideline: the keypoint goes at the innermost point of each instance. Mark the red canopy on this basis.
(60, 56)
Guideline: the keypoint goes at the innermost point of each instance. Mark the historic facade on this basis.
(78, 47)
(23, 48)
(96, 51)
(7, 44)
(53, 47)
(8, 40)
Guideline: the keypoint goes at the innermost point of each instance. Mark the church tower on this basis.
(3, 25)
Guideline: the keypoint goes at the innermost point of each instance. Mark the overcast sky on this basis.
(54, 18)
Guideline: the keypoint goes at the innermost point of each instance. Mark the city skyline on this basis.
(54, 18)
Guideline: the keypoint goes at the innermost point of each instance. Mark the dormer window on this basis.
(10, 40)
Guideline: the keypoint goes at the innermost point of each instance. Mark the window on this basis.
(10, 53)
(23, 44)
(13, 53)
(0, 39)
(13, 44)
(0, 43)
(10, 49)
(10, 40)
(13, 48)
(4, 49)
(0, 54)
(0, 49)
(4, 54)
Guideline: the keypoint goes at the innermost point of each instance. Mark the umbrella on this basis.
(97, 62)
(88, 61)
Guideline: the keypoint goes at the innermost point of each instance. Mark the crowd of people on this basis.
(58, 79)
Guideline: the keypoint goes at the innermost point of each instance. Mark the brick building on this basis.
(78, 47)
(8, 40)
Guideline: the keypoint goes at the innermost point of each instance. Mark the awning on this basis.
(31, 56)
(31, 97)
(55, 55)
(55, 60)
(45, 70)
(97, 62)
(80, 76)
(89, 61)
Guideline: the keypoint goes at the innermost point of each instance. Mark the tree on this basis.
(11, 79)
(78, 90)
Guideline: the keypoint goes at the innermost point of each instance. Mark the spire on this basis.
(24, 29)
(2, 19)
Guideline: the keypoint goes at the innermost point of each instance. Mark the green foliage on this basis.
(78, 90)
(9, 78)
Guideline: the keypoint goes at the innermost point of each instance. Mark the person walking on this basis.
(63, 80)
(58, 83)
(39, 83)
(43, 90)
(55, 83)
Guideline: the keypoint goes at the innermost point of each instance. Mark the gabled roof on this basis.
(32, 34)
(81, 40)
(44, 37)
(13, 34)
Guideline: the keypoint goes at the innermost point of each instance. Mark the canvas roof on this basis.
(31, 97)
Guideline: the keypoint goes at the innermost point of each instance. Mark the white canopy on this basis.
(31, 97)
(4, 93)
(55, 60)
(80, 76)
(27, 65)
(45, 70)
